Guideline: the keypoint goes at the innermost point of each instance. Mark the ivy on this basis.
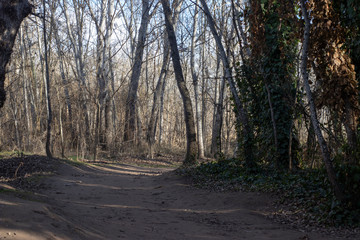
(307, 191)
(270, 73)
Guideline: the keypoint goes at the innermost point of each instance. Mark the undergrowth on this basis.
(308, 190)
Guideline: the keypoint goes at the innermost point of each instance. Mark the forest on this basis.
(247, 95)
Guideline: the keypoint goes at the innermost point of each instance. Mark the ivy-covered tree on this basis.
(269, 74)
(334, 68)
(349, 15)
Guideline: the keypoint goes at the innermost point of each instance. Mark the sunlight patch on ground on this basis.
(111, 187)
(6, 187)
(130, 170)
(3, 202)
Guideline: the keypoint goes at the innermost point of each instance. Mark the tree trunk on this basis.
(25, 88)
(241, 114)
(12, 13)
(156, 111)
(47, 89)
(64, 82)
(161, 113)
(314, 119)
(196, 86)
(350, 124)
(130, 112)
(157, 99)
(218, 110)
(76, 39)
(218, 120)
(192, 146)
(273, 120)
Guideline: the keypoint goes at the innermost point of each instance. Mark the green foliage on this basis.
(268, 79)
(306, 190)
(349, 177)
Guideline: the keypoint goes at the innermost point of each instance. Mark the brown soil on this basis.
(121, 201)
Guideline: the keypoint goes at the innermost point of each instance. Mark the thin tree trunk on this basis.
(65, 87)
(61, 129)
(161, 111)
(157, 99)
(130, 112)
(25, 88)
(350, 124)
(97, 129)
(196, 86)
(156, 111)
(47, 89)
(192, 146)
(218, 120)
(314, 119)
(101, 71)
(241, 114)
(32, 101)
(76, 40)
(217, 116)
(273, 120)
(14, 111)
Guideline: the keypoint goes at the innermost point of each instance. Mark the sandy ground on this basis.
(120, 201)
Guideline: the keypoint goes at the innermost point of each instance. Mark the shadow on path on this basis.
(120, 201)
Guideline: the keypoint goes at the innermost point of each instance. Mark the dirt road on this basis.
(120, 201)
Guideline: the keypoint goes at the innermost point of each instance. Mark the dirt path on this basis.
(126, 202)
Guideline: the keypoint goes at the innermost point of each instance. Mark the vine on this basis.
(269, 74)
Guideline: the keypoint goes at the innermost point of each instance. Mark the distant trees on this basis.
(203, 76)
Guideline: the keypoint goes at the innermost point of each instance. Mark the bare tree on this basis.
(192, 145)
(47, 86)
(242, 116)
(156, 111)
(196, 85)
(130, 114)
(75, 33)
(104, 28)
(219, 99)
(313, 114)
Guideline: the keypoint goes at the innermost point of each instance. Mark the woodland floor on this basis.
(121, 200)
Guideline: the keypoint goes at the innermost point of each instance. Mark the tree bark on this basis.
(350, 124)
(12, 13)
(130, 112)
(157, 99)
(192, 146)
(273, 120)
(25, 88)
(218, 120)
(314, 119)
(241, 114)
(64, 82)
(156, 111)
(47, 88)
(76, 40)
(196, 86)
